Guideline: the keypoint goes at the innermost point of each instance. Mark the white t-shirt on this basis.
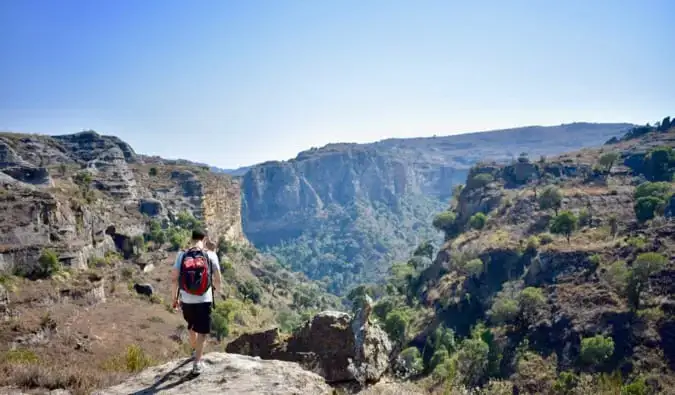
(208, 295)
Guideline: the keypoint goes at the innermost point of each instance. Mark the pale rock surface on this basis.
(224, 374)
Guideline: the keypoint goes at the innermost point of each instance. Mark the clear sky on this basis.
(233, 83)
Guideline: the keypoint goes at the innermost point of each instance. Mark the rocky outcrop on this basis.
(224, 374)
(327, 345)
(81, 196)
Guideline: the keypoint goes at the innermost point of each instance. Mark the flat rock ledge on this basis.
(224, 374)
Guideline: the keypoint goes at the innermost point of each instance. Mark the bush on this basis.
(472, 361)
(565, 223)
(133, 360)
(584, 218)
(474, 267)
(444, 220)
(152, 172)
(396, 325)
(644, 266)
(503, 310)
(250, 290)
(596, 350)
(531, 300)
(656, 189)
(645, 208)
(20, 356)
(659, 164)
(532, 244)
(478, 221)
(637, 387)
(550, 198)
(545, 238)
(439, 357)
(607, 160)
(48, 265)
(412, 359)
(617, 275)
(178, 238)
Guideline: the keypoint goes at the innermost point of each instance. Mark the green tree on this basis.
(531, 301)
(659, 164)
(445, 222)
(478, 221)
(646, 207)
(49, 265)
(250, 290)
(412, 359)
(474, 267)
(565, 224)
(596, 350)
(550, 198)
(396, 325)
(472, 361)
(503, 310)
(607, 160)
(480, 180)
(425, 249)
(643, 267)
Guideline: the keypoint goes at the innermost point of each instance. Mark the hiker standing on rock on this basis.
(195, 278)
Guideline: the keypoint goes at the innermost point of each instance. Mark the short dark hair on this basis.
(198, 234)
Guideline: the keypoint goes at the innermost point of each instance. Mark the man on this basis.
(191, 276)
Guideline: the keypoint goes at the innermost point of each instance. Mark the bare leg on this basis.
(199, 349)
(193, 339)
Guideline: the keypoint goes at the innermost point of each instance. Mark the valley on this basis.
(535, 260)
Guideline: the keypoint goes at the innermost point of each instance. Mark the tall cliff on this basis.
(70, 193)
(340, 211)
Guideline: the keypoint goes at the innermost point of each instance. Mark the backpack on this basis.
(195, 272)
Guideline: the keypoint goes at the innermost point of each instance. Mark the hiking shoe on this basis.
(197, 368)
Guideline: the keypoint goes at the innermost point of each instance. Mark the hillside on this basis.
(341, 212)
(555, 277)
(88, 225)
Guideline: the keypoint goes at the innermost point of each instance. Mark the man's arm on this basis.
(174, 282)
(217, 280)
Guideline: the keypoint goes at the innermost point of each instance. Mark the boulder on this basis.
(331, 344)
(151, 207)
(224, 374)
(143, 289)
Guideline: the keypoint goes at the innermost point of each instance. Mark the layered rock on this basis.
(328, 345)
(82, 195)
(225, 374)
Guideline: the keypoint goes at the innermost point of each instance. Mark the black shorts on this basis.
(197, 316)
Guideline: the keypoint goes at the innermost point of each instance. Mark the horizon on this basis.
(263, 81)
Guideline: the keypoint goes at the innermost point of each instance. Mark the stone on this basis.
(144, 289)
(328, 345)
(224, 374)
(151, 207)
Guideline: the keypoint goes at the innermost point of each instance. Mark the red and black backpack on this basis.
(195, 272)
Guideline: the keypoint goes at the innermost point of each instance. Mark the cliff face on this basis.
(66, 192)
(392, 187)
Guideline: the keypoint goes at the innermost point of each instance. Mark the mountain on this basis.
(88, 232)
(556, 276)
(342, 212)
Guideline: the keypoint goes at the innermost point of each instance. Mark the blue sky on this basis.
(233, 83)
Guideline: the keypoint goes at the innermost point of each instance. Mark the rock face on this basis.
(85, 194)
(225, 374)
(326, 345)
(286, 201)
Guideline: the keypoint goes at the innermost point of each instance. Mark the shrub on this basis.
(444, 220)
(472, 361)
(565, 223)
(617, 276)
(644, 266)
(133, 360)
(474, 267)
(503, 310)
(439, 357)
(532, 244)
(20, 356)
(637, 387)
(545, 238)
(250, 290)
(152, 172)
(478, 221)
(48, 265)
(596, 350)
(550, 198)
(178, 238)
(659, 164)
(645, 207)
(531, 300)
(607, 160)
(396, 325)
(656, 189)
(412, 359)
